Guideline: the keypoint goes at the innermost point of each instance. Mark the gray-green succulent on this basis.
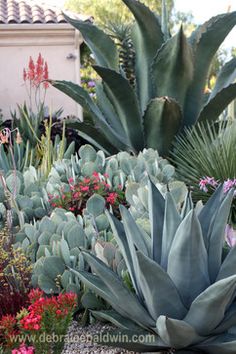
(171, 74)
(122, 169)
(25, 196)
(53, 244)
(183, 296)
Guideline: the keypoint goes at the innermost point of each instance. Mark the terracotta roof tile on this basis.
(27, 11)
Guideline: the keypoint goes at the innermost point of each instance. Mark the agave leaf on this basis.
(224, 344)
(226, 76)
(115, 318)
(202, 314)
(101, 45)
(134, 233)
(217, 236)
(156, 207)
(188, 256)
(228, 322)
(228, 267)
(107, 109)
(125, 299)
(147, 38)
(205, 42)
(188, 205)
(172, 221)
(172, 69)
(218, 103)
(159, 299)
(162, 120)
(99, 287)
(125, 103)
(177, 334)
(136, 240)
(92, 134)
(208, 212)
(121, 239)
(147, 342)
(82, 97)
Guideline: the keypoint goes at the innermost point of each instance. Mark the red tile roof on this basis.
(23, 11)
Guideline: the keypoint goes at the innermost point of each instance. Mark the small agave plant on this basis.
(170, 78)
(184, 288)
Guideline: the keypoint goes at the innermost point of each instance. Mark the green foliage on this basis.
(178, 277)
(62, 235)
(24, 156)
(29, 123)
(24, 196)
(121, 169)
(206, 150)
(52, 244)
(105, 11)
(15, 276)
(170, 78)
(21, 155)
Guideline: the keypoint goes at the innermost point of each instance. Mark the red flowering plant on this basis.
(8, 329)
(35, 78)
(76, 196)
(42, 326)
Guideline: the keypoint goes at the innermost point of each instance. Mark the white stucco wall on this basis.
(55, 43)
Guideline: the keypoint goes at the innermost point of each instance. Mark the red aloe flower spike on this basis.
(45, 70)
(39, 70)
(45, 75)
(40, 60)
(31, 71)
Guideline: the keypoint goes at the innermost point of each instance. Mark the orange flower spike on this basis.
(39, 70)
(40, 60)
(31, 72)
(45, 71)
(45, 75)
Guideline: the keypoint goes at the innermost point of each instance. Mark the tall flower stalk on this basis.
(35, 77)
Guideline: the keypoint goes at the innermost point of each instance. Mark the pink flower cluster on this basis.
(23, 350)
(230, 236)
(207, 182)
(230, 183)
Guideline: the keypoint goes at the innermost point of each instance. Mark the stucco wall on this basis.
(16, 46)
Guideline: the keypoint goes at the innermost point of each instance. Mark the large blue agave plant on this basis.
(184, 291)
(171, 74)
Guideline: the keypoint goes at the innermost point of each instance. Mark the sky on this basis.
(202, 10)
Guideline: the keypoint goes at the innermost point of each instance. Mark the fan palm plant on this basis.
(207, 151)
(170, 77)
